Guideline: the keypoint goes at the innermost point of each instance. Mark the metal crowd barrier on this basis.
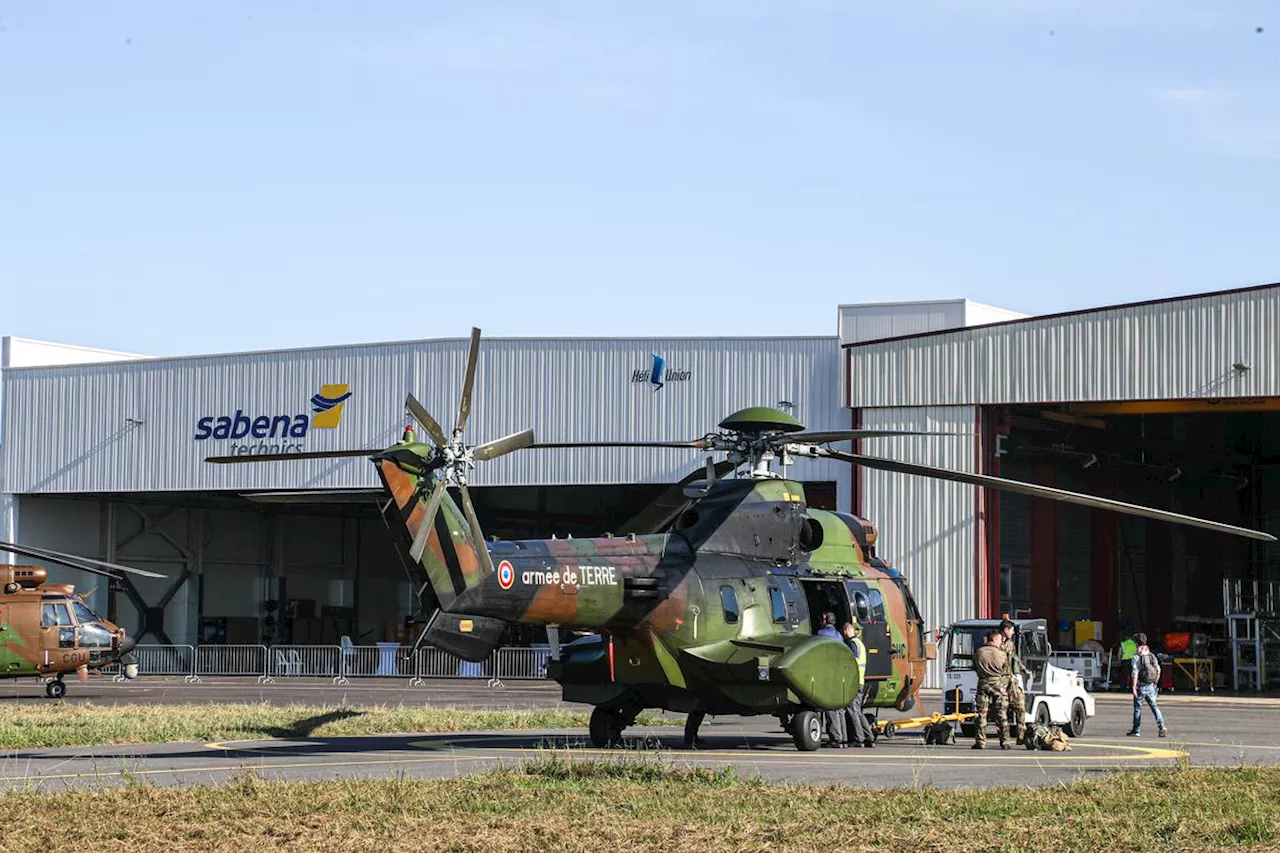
(340, 663)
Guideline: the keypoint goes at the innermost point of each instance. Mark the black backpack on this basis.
(1149, 669)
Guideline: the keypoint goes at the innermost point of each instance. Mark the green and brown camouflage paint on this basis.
(664, 604)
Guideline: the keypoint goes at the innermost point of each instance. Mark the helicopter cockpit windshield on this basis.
(57, 612)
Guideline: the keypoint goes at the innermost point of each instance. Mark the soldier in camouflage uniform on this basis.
(993, 686)
(1014, 669)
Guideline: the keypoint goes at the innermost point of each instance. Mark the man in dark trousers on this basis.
(837, 738)
(858, 729)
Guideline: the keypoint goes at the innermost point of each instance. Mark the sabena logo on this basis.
(286, 429)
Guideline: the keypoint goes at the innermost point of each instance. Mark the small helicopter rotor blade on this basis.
(503, 446)
(679, 445)
(75, 561)
(823, 436)
(469, 380)
(658, 514)
(428, 521)
(1037, 491)
(477, 533)
(423, 417)
(280, 457)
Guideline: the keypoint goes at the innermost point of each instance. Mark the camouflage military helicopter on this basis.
(47, 631)
(709, 601)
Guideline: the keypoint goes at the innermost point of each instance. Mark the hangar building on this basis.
(1172, 403)
(106, 459)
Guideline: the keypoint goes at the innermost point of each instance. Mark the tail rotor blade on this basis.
(468, 381)
(476, 532)
(428, 522)
(503, 446)
(423, 417)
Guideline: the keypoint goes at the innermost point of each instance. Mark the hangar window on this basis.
(729, 601)
(778, 604)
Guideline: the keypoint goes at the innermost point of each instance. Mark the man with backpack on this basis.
(1145, 678)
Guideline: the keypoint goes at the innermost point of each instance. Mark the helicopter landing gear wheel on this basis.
(806, 730)
(55, 689)
(606, 727)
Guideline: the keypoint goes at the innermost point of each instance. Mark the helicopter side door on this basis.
(867, 604)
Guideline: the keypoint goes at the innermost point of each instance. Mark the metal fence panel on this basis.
(305, 661)
(388, 660)
(231, 660)
(522, 663)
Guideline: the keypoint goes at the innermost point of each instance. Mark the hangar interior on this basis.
(1218, 460)
(248, 572)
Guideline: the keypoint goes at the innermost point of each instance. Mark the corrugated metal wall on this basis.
(928, 528)
(132, 426)
(1168, 350)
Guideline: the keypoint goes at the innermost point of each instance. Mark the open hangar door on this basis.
(1215, 459)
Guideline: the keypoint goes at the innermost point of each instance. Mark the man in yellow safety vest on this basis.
(856, 723)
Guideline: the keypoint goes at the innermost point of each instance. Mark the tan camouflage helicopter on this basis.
(710, 600)
(48, 631)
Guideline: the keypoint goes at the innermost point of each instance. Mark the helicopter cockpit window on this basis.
(778, 604)
(877, 605)
(729, 601)
(863, 609)
(55, 614)
(95, 637)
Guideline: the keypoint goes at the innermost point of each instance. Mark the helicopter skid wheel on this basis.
(55, 689)
(806, 730)
(605, 727)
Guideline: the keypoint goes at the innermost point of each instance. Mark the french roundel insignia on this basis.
(506, 575)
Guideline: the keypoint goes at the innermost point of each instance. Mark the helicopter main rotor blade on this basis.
(823, 436)
(1038, 491)
(281, 457)
(477, 533)
(75, 561)
(658, 514)
(685, 445)
(428, 522)
(423, 417)
(468, 381)
(503, 446)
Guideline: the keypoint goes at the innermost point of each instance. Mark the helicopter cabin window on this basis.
(55, 614)
(778, 604)
(877, 605)
(729, 601)
(861, 606)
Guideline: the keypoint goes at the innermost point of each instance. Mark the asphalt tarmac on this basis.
(1204, 730)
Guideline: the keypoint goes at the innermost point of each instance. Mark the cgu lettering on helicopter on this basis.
(710, 601)
(48, 631)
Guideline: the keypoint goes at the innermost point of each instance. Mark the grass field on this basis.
(643, 804)
(62, 724)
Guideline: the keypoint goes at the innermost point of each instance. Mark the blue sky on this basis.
(253, 175)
